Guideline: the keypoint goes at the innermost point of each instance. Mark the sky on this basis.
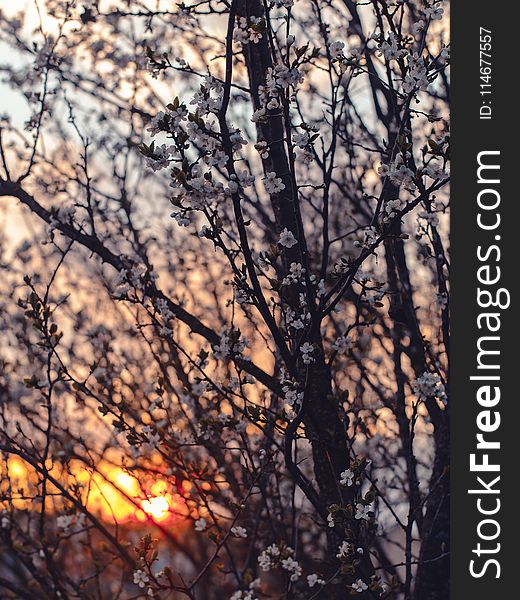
(9, 100)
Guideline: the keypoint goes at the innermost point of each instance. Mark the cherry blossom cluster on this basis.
(370, 236)
(293, 397)
(232, 343)
(345, 60)
(280, 556)
(249, 30)
(278, 80)
(399, 173)
(430, 385)
(250, 594)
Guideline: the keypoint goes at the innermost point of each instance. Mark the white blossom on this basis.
(263, 148)
(435, 12)
(314, 579)
(390, 48)
(342, 344)
(239, 532)
(417, 75)
(370, 236)
(336, 48)
(268, 557)
(291, 565)
(398, 173)
(417, 27)
(347, 478)
(273, 184)
(359, 586)
(287, 238)
(435, 171)
(301, 139)
(362, 511)
(307, 350)
(429, 385)
(140, 578)
(344, 550)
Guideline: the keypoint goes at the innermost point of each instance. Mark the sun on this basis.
(158, 507)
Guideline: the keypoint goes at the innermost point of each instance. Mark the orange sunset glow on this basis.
(111, 493)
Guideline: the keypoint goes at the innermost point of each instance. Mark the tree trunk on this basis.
(433, 573)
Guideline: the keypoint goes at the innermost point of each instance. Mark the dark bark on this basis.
(433, 519)
(433, 573)
(327, 433)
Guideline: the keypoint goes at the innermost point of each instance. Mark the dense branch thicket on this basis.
(224, 300)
